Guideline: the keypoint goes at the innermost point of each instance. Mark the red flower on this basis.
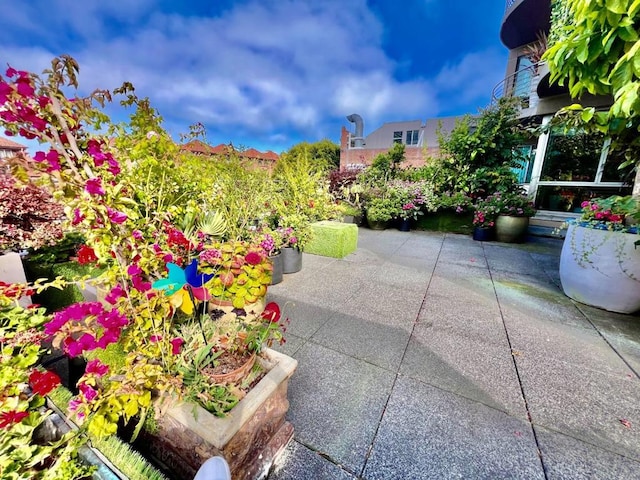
(253, 258)
(86, 255)
(43, 382)
(271, 312)
(9, 418)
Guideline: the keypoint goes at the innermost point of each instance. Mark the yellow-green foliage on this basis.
(333, 239)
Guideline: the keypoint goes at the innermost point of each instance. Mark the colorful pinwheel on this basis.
(181, 284)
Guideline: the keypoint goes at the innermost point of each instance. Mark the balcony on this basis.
(522, 21)
(522, 84)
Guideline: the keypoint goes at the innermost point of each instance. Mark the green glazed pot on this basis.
(511, 229)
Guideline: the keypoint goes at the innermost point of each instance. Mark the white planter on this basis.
(601, 268)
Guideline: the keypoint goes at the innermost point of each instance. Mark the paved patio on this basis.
(428, 355)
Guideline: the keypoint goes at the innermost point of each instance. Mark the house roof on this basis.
(7, 144)
(197, 146)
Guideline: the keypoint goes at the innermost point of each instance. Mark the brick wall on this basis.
(415, 156)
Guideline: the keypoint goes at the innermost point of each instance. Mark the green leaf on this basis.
(616, 6)
(587, 114)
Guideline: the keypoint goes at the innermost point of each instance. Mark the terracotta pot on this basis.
(511, 229)
(601, 268)
(236, 375)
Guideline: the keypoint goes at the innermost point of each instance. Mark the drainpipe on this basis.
(358, 138)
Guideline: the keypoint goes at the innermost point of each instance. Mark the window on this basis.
(578, 166)
(412, 137)
(397, 137)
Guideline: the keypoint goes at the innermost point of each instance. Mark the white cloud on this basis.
(272, 69)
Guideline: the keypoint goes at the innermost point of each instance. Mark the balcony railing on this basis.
(519, 84)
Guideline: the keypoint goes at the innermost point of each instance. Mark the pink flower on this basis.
(139, 284)
(88, 392)
(108, 337)
(96, 367)
(116, 216)
(94, 186)
(176, 345)
(155, 338)
(253, 258)
(134, 270)
(77, 217)
(114, 294)
(137, 234)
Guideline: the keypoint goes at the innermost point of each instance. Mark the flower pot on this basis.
(291, 260)
(278, 268)
(484, 234)
(235, 375)
(404, 225)
(249, 437)
(601, 268)
(377, 225)
(511, 229)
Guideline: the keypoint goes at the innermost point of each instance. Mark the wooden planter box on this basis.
(250, 437)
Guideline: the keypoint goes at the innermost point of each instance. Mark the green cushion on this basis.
(332, 239)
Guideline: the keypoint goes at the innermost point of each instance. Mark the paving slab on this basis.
(462, 250)
(428, 433)
(585, 404)
(304, 318)
(405, 273)
(621, 331)
(336, 403)
(372, 340)
(510, 259)
(536, 298)
(398, 305)
(566, 458)
(472, 367)
(298, 462)
(291, 345)
(458, 281)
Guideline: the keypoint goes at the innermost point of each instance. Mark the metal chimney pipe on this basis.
(358, 138)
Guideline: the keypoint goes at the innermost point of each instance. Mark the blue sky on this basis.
(271, 73)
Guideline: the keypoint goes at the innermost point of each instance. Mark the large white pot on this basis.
(601, 268)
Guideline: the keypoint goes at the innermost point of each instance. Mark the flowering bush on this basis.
(486, 210)
(614, 213)
(516, 205)
(159, 277)
(23, 452)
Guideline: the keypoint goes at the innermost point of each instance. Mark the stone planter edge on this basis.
(219, 431)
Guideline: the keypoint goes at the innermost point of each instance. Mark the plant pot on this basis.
(291, 260)
(377, 225)
(511, 229)
(601, 268)
(278, 268)
(484, 234)
(235, 375)
(404, 225)
(249, 437)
